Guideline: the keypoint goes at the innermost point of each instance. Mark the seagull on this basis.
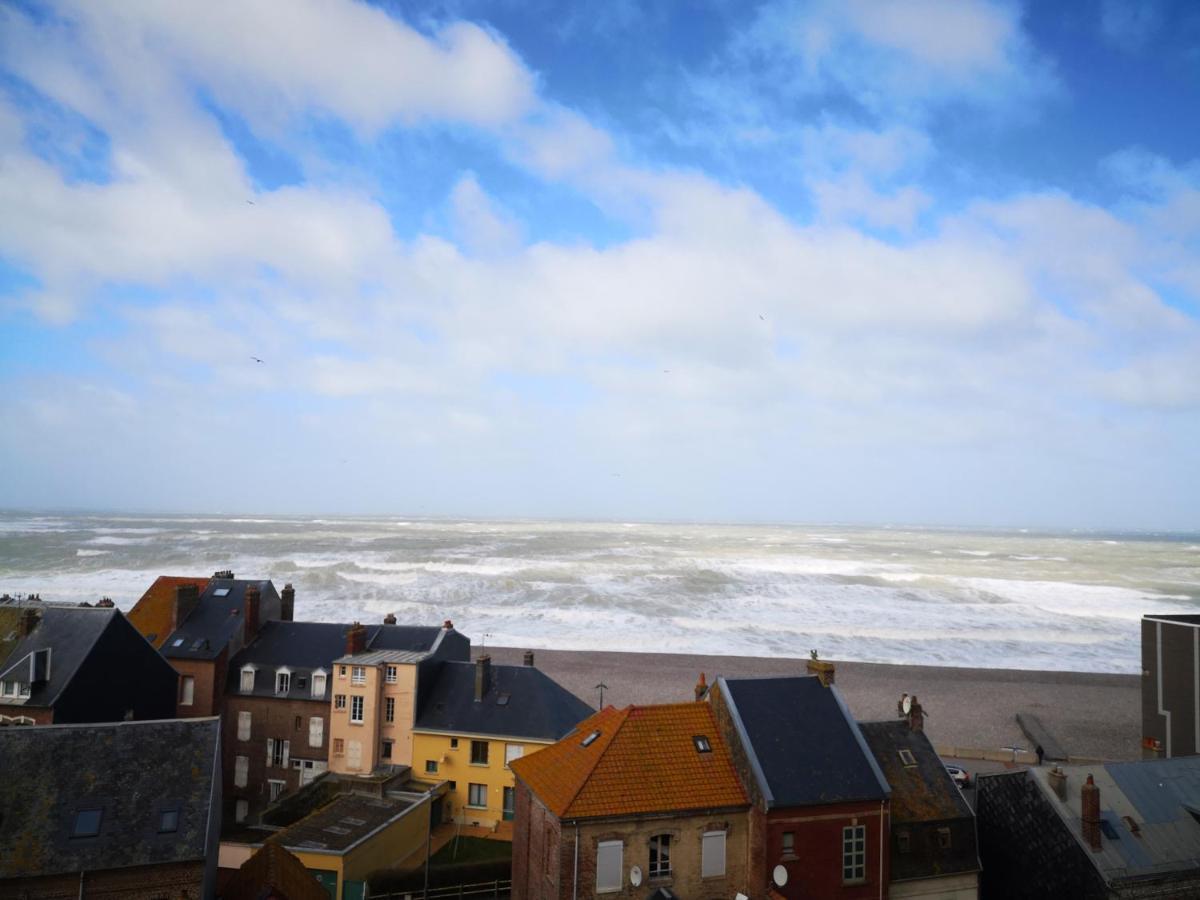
(761, 316)
(256, 359)
(251, 202)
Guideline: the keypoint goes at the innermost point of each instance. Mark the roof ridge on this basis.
(583, 782)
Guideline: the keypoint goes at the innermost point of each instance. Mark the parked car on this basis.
(961, 777)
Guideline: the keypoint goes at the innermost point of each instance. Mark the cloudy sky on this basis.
(922, 261)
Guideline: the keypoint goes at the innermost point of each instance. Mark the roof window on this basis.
(702, 743)
(587, 741)
(336, 829)
(1109, 831)
(178, 642)
(221, 592)
(502, 700)
(168, 820)
(87, 823)
(198, 643)
(907, 758)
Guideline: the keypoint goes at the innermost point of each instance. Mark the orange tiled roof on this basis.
(643, 761)
(152, 614)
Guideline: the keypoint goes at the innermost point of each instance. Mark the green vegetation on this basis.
(472, 849)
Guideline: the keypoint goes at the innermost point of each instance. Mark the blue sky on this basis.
(918, 261)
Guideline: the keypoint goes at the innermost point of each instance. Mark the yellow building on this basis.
(474, 720)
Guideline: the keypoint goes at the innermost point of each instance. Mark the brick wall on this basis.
(538, 864)
(209, 685)
(40, 714)
(175, 881)
(815, 870)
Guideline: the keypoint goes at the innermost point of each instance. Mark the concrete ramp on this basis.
(1037, 733)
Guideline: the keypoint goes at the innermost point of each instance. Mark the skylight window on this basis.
(87, 823)
(178, 642)
(168, 820)
(587, 741)
(221, 592)
(502, 700)
(702, 744)
(336, 829)
(197, 643)
(907, 758)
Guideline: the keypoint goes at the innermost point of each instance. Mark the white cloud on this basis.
(481, 225)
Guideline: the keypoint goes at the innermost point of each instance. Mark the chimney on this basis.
(186, 598)
(356, 639)
(701, 688)
(105, 603)
(253, 599)
(224, 573)
(1058, 781)
(821, 668)
(483, 677)
(287, 602)
(528, 658)
(1089, 802)
(27, 622)
(916, 715)
(389, 619)
(448, 625)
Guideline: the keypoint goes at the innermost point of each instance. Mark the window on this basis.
(943, 838)
(903, 841)
(240, 808)
(277, 752)
(248, 680)
(283, 681)
(513, 751)
(168, 820)
(907, 758)
(854, 853)
(609, 866)
(431, 766)
(510, 803)
(660, 855)
(453, 785)
(390, 676)
(318, 685)
(386, 752)
(358, 674)
(298, 723)
(301, 682)
(587, 741)
(221, 592)
(23, 688)
(712, 854)
(702, 744)
(277, 788)
(788, 845)
(356, 708)
(341, 671)
(453, 743)
(339, 701)
(339, 747)
(354, 755)
(244, 721)
(477, 795)
(10, 689)
(87, 823)
(479, 753)
(187, 690)
(389, 709)
(316, 731)
(241, 769)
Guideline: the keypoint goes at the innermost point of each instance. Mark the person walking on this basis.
(1040, 753)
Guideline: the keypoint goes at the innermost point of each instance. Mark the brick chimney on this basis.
(185, 600)
(105, 603)
(252, 603)
(287, 602)
(483, 677)
(356, 639)
(448, 625)
(389, 619)
(527, 659)
(1089, 802)
(1058, 781)
(823, 669)
(701, 688)
(916, 715)
(27, 622)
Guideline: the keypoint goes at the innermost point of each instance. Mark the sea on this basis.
(1006, 599)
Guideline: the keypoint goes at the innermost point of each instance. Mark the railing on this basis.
(494, 889)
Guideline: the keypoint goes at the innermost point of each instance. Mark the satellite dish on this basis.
(635, 876)
(906, 705)
(779, 876)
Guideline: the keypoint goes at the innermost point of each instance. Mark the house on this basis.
(126, 809)
(272, 873)
(820, 817)
(1170, 686)
(475, 719)
(205, 627)
(934, 854)
(1113, 830)
(643, 801)
(281, 690)
(62, 664)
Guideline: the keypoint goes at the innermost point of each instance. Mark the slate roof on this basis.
(344, 822)
(152, 614)
(643, 760)
(923, 792)
(69, 632)
(130, 770)
(804, 746)
(273, 872)
(1154, 794)
(521, 701)
(216, 620)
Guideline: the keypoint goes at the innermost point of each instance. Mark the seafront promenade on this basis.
(969, 710)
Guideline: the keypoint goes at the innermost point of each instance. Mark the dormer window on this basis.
(318, 684)
(283, 681)
(10, 689)
(22, 690)
(247, 679)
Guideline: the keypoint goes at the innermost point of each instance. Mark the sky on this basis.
(914, 261)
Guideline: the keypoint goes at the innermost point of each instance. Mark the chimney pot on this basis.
(106, 603)
(701, 688)
(1089, 804)
(528, 658)
(483, 677)
(250, 623)
(916, 715)
(356, 639)
(389, 619)
(822, 668)
(287, 603)
(448, 625)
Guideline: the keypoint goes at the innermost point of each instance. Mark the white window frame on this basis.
(246, 685)
(358, 674)
(276, 788)
(10, 689)
(245, 723)
(357, 708)
(316, 731)
(471, 792)
(319, 677)
(604, 879)
(241, 809)
(277, 753)
(354, 755)
(389, 709)
(391, 673)
(241, 771)
(487, 753)
(513, 751)
(854, 854)
(283, 680)
(660, 861)
(712, 854)
(339, 701)
(187, 690)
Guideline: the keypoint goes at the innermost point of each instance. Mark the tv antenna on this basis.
(601, 687)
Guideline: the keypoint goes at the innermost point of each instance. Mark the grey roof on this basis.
(216, 620)
(922, 791)
(1175, 618)
(1156, 795)
(375, 657)
(804, 746)
(520, 702)
(344, 822)
(132, 771)
(69, 632)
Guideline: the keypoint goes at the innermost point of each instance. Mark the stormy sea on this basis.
(1004, 599)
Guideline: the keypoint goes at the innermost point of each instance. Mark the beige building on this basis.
(372, 711)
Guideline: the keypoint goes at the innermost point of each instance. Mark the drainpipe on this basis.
(881, 802)
(81, 884)
(575, 875)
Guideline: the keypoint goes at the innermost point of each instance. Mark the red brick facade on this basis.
(208, 686)
(174, 881)
(40, 714)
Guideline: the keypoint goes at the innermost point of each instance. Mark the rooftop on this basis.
(344, 822)
(804, 746)
(922, 790)
(69, 632)
(640, 759)
(153, 614)
(86, 797)
(217, 619)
